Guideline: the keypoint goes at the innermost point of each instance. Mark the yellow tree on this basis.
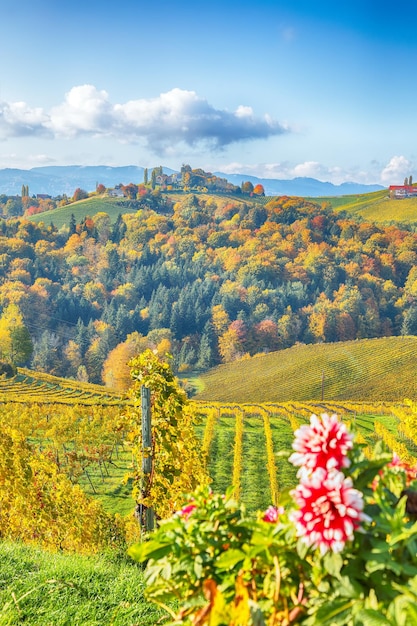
(116, 370)
(229, 346)
(220, 319)
(15, 342)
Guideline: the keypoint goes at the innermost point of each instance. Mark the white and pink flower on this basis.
(324, 443)
(272, 514)
(330, 509)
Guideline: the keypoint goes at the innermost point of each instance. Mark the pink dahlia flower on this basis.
(323, 443)
(187, 510)
(330, 509)
(397, 464)
(272, 514)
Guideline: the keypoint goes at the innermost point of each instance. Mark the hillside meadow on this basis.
(376, 207)
(61, 216)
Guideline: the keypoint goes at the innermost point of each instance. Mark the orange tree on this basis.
(178, 461)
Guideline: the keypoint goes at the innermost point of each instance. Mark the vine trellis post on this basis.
(147, 460)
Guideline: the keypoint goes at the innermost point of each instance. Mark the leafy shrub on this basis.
(7, 369)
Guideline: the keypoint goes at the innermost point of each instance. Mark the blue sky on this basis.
(276, 88)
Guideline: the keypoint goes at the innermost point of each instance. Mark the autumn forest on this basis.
(207, 279)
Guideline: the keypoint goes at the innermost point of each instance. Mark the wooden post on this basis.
(145, 395)
(322, 385)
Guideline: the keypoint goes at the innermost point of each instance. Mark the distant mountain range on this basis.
(301, 186)
(58, 180)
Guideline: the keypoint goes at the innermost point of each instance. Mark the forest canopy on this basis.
(208, 279)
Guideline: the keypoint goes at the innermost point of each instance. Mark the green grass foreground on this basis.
(40, 588)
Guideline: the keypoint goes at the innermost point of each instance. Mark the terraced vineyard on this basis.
(28, 386)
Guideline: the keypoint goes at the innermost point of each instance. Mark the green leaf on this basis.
(333, 563)
(230, 558)
(370, 617)
(198, 566)
(151, 550)
(366, 477)
(403, 611)
(348, 587)
(333, 609)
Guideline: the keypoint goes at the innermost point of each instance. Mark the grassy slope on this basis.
(366, 370)
(39, 588)
(375, 207)
(100, 204)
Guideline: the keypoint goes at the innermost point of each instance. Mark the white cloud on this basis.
(287, 171)
(17, 119)
(86, 110)
(375, 173)
(175, 117)
(396, 170)
(182, 116)
(26, 162)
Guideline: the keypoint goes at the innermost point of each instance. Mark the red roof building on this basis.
(402, 191)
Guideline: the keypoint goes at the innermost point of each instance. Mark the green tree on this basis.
(13, 207)
(409, 325)
(72, 225)
(153, 178)
(46, 357)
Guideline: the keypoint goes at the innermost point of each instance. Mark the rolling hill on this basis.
(116, 206)
(376, 206)
(31, 386)
(383, 369)
(90, 206)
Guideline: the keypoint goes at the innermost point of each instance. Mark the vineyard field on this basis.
(376, 206)
(83, 427)
(383, 369)
(29, 386)
(258, 467)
